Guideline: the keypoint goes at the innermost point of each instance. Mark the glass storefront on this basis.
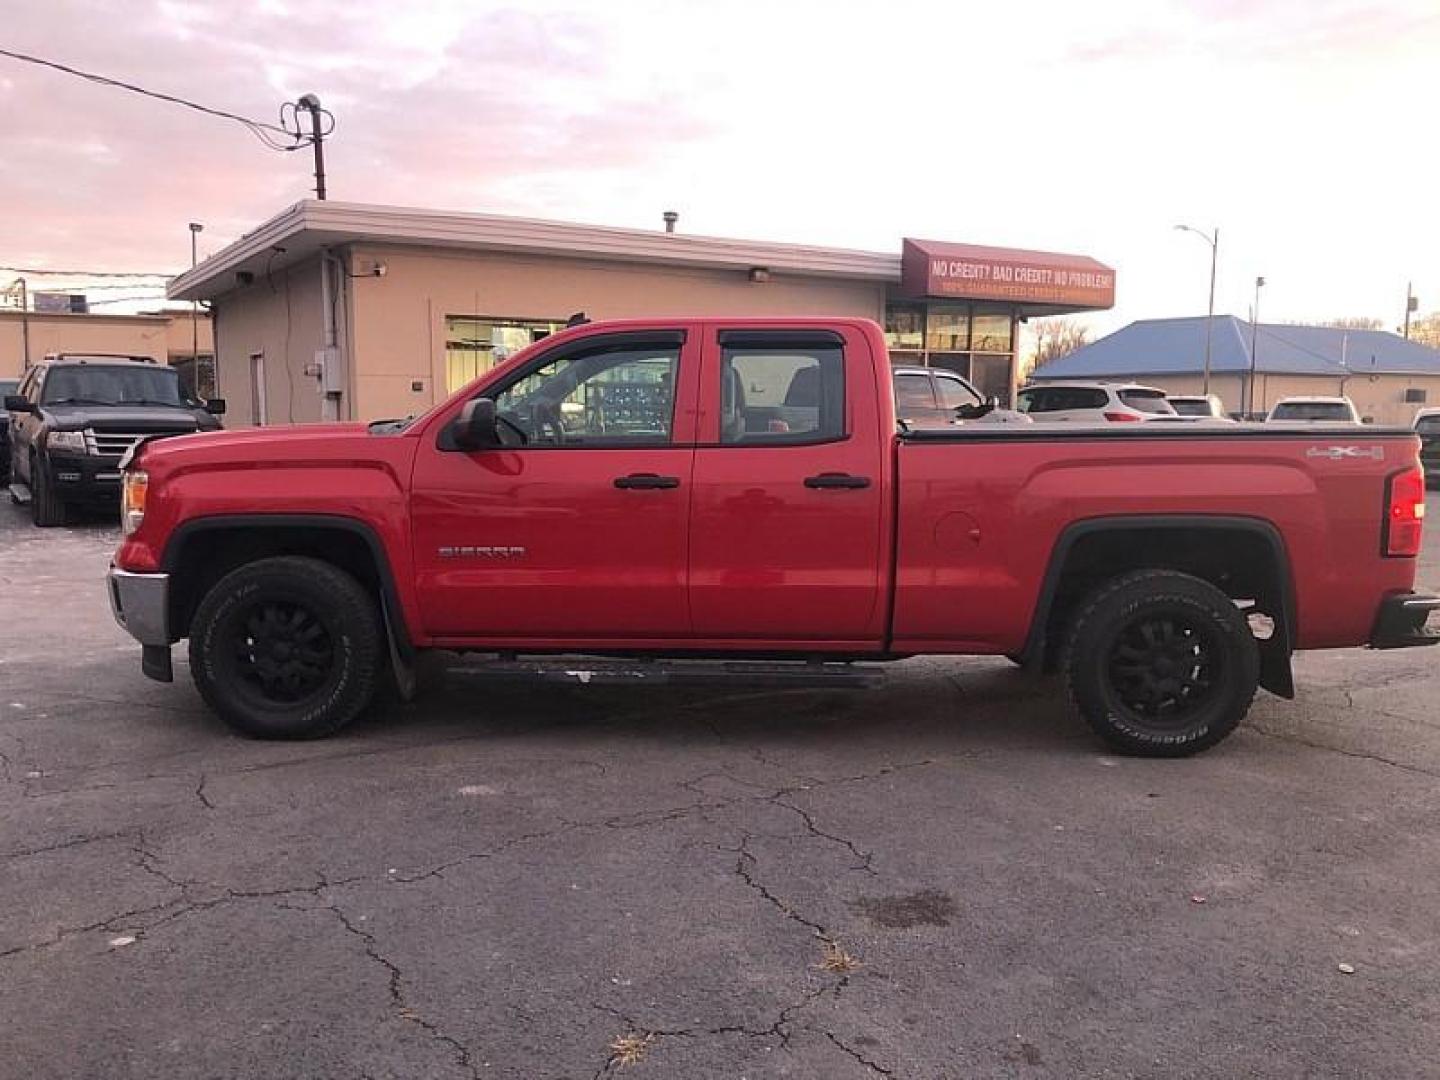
(975, 340)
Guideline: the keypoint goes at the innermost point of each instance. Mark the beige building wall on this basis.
(1379, 397)
(180, 336)
(398, 320)
(277, 320)
(155, 336)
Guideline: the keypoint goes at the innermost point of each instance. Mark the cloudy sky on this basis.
(1304, 129)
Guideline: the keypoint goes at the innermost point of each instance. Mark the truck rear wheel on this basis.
(286, 648)
(1161, 664)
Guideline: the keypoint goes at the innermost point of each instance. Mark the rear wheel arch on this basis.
(202, 551)
(1244, 557)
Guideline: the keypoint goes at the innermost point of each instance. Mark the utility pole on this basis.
(1254, 337)
(311, 104)
(195, 230)
(1213, 239)
(25, 323)
(1412, 304)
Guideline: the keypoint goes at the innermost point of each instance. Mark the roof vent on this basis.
(671, 217)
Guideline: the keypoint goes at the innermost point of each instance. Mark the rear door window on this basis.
(778, 395)
(1147, 401)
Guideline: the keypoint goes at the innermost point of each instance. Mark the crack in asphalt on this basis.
(863, 857)
(397, 991)
(1278, 737)
(200, 793)
(75, 841)
(861, 1058)
(745, 863)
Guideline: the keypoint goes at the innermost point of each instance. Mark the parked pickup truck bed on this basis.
(739, 489)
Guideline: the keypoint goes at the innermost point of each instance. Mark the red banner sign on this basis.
(966, 272)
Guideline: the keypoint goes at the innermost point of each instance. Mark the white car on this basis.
(1313, 410)
(1198, 406)
(1093, 403)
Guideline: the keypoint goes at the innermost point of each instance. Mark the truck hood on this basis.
(267, 442)
(128, 418)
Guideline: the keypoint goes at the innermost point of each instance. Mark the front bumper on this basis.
(1401, 623)
(84, 477)
(141, 605)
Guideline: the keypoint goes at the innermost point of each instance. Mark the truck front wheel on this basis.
(286, 648)
(46, 507)
(1161, 664)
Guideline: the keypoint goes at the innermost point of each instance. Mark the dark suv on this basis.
(7, 387)
(72, 417)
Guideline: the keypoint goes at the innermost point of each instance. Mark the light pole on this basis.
(1213, 239)
(195, 230)
(1254, 337)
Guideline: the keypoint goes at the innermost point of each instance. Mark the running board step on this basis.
(590, 671)
(20, 493)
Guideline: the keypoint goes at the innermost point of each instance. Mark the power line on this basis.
(264, 132)
(34, 271)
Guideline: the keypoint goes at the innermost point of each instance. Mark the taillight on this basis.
(1404, 514)
(1121, 417)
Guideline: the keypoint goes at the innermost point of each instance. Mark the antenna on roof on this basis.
(671, 217)
(578, 319)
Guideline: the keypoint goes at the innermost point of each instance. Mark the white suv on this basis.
(1093, 402)
(1313, 410)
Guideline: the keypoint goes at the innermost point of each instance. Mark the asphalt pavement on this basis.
(946, 877)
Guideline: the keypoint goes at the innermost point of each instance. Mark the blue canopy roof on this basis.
(1177, 347)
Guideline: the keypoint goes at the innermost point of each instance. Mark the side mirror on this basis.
(215, 406)
(476, 427)
(17, 403)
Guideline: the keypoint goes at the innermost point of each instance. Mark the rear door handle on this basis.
(646, 480)
(837, 480)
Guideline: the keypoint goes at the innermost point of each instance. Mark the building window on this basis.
(947, 328)
(475, 344)
(991, 332)
(258, 411)
(905, 327)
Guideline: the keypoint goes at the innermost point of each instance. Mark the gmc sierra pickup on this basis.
(739, 491)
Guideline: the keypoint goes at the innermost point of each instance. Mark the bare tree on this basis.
(1426, 329)
(1055, 338)
(1349, 322)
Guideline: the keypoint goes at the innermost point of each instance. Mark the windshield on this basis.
(1147, 401)
(112, 384)
(1311, 410)
(1191, 407)
(1429, 425)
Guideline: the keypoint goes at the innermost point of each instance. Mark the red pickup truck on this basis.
(740, 490)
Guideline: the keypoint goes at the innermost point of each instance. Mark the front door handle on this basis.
(837, 480)
(645, 481)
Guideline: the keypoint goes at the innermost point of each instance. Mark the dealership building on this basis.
(347, 311)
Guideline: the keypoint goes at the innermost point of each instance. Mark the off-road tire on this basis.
(1206, 671)
(228, 657)
(47, 509)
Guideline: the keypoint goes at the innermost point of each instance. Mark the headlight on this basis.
(134, 487)
(74, 441)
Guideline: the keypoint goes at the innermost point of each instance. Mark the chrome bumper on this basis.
(141, 604)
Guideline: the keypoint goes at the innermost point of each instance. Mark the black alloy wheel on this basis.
(284, 651)
(1165, 666)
